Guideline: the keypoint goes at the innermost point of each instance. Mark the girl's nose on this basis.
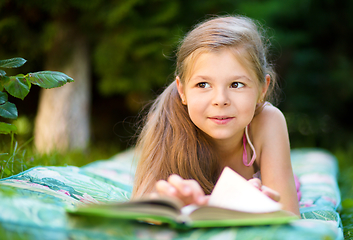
(221, 98)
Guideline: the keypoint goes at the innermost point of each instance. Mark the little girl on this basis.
(216, 114)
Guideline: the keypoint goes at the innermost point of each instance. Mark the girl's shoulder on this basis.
(269, 131)
(268, 115)
(268, 122)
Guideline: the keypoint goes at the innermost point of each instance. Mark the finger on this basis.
(256, 183)
(207, 198)
(271, 193)
(198, 195)
(153, 195)
(180, 184)
(165, 188)
(188, 190)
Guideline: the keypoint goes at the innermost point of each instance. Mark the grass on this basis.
(347, 219)
(345, 181)
(23, 157)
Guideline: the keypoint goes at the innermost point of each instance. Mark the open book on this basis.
(233, 202)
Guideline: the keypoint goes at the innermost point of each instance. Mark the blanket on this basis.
(33, 203)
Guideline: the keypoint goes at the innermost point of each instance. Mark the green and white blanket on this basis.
(32, 203)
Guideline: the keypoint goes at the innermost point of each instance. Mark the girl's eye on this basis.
(236, 85)
(203, 85)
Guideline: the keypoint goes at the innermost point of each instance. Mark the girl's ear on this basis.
(265, 88)
(180, 88)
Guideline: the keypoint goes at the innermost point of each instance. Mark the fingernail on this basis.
(256, 184)
(200, 200)
(172, 190)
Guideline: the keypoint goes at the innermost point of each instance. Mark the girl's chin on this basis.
(222, 137)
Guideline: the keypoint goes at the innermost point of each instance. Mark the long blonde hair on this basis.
(169, 141)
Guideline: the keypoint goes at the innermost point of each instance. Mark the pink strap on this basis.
(245, 154)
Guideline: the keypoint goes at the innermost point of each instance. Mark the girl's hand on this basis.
(266, 190)
(187, 190)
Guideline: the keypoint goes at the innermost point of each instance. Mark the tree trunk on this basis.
(62, 121)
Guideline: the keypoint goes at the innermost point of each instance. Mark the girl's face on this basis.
(221, 95)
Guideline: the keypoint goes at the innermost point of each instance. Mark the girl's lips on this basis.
(221, 120)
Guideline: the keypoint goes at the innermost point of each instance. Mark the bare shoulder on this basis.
(269, 132)
(269, 119)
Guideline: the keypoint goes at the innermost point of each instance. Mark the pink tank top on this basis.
(245, 154)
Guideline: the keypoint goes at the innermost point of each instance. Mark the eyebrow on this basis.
(233, 78)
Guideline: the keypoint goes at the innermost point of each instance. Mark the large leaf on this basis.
(17, 86)
(2, 73)
(8, 110)
(3, 97)
(6, 128)
(12, 63)
(49, 79)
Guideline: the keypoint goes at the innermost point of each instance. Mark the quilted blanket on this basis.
(33, 203)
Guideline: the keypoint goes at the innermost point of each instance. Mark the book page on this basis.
(234, 192)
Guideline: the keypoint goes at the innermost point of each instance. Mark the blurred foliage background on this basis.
(132, 44)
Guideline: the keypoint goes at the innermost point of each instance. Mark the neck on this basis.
(229, 149)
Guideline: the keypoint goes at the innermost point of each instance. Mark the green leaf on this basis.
(347, 203)
(6, 128)
(3, 97)
(17, 86)
(49, 79)
(7, 172)
(8, 110)
(12, 63)
(2, 73)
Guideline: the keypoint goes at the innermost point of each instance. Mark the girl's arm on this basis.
(272, 139)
